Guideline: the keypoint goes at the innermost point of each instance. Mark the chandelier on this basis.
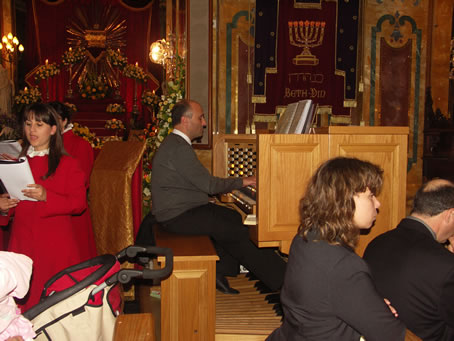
(165, 52)
(160, 52)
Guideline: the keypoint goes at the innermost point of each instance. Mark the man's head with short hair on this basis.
(188, 117)
(434, 197)
(180, 109)
(434, 204)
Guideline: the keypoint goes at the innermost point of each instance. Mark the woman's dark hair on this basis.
(62, 110)
(45, 113)
(328, 207)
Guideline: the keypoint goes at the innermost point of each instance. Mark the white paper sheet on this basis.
(10, 147)
(16, 175)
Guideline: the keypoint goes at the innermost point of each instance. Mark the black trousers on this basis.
(231, 240)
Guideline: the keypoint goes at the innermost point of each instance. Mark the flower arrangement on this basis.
(135, 72)
(87, 135)
(149, 98)
(73, 56)
(149, 136)
(116, 58)
(93, 87)
(115, 108)
(115, 125)
(28, 96)
(46, 71)
(176, 93)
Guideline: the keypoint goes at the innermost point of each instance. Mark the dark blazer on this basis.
(328, 294)
(416, 273)
(180, 182)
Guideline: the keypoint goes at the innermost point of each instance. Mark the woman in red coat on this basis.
(80, 149)
(42, 229)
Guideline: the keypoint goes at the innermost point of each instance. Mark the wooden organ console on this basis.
(283, 165)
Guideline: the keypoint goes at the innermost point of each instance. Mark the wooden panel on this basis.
(389, 152)
(188, 305)
(285, 164)
(188, 302)
(368, 130)
(134, 327)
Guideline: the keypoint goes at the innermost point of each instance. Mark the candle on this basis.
(47, 61)
(137, 63)
(26, 89)
(70, 49)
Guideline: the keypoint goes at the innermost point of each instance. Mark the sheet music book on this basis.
(300, 118)
(16, 175)
(10, 147)
(310, 119)
(285, 120)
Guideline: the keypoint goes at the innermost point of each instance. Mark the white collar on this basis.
(68, 127)
(31, 152)
(183, 135)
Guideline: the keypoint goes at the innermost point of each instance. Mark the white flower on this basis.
(147, 191)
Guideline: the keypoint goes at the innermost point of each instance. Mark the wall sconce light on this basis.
(8, 46)
(160, 52)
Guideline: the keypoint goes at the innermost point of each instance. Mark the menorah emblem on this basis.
(306, 34)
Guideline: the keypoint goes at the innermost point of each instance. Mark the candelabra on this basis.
(135, 107)
(8, 49)
(306, 34)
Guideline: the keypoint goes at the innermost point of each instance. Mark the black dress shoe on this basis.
(222, 284)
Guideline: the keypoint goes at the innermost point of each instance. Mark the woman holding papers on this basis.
(80, 149)
(42, 227)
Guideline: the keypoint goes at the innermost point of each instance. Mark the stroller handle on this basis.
(125, 275)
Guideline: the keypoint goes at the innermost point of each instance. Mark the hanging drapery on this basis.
(306, 49)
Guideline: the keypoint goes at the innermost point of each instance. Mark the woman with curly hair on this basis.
(328, 293)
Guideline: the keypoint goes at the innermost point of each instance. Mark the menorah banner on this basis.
(306, 34)
(314, 55)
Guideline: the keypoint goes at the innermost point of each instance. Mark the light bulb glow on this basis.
(10, 36)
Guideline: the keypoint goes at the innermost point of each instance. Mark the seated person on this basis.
(328, 292)
(411, 266)
(180, 189)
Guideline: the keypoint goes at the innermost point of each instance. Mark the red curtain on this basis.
(47, 39)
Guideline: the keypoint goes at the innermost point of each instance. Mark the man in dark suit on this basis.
(180, 190)
(413, 268)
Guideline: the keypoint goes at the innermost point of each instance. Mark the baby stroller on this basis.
(83, 301)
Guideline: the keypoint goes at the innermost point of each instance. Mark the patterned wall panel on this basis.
(395, 41)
